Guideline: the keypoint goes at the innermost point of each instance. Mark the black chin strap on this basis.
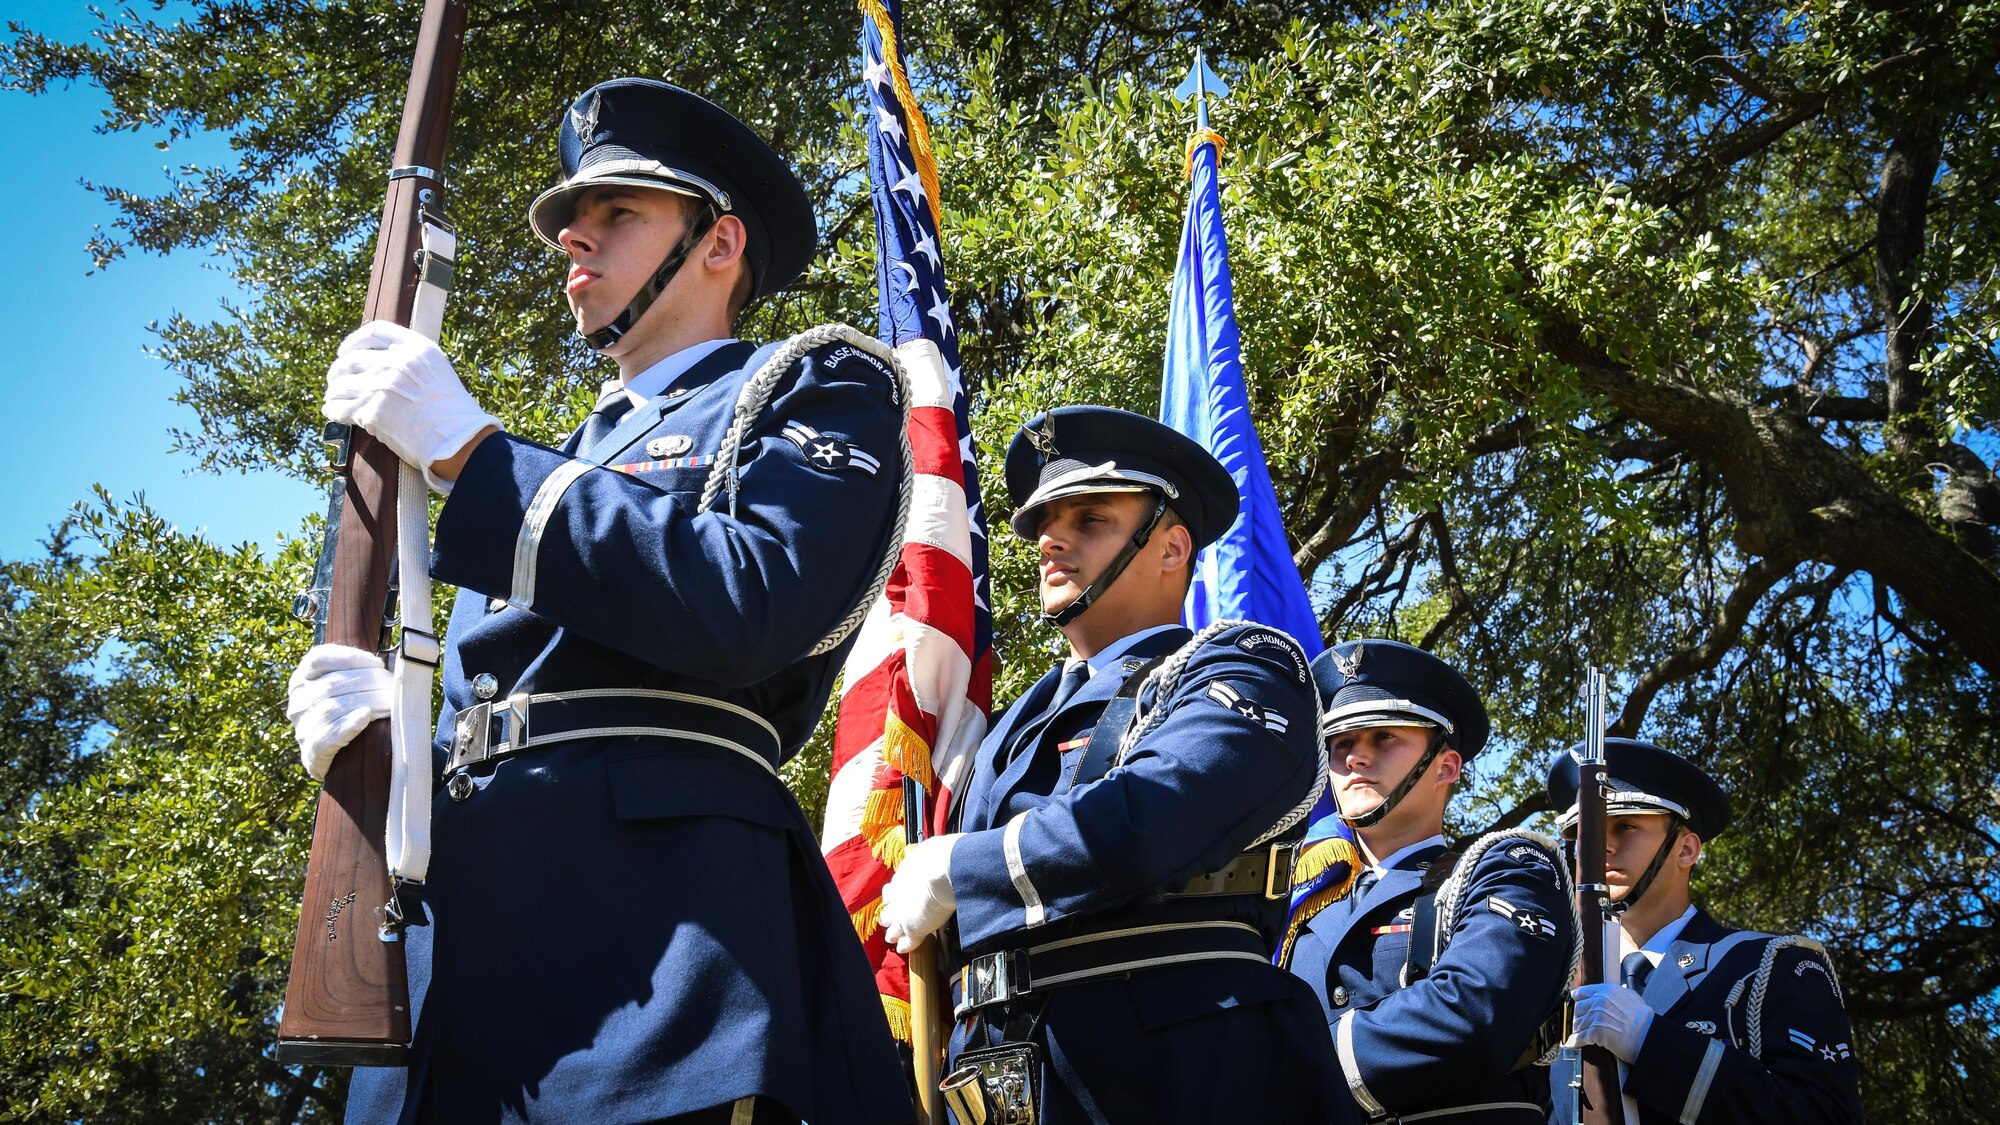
(1374, 816)
(1616, 909)
(1070, 612)
(643, 299)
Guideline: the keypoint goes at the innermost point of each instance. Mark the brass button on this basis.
(485, 686)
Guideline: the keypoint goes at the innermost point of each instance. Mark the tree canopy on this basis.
(1662, 338)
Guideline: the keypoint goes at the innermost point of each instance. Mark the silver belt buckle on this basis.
(487, 730)
(992, 978)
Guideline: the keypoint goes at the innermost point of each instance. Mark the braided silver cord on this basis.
(1167, 676)
(750, 404)
(1451, 893)
(1754, 1028)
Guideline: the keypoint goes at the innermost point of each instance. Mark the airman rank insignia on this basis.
(673, 445)
(1248, 708)
(1534, 925)
(828, 453)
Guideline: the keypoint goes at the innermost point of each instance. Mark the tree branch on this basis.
(1797, 497)
(1751, 586)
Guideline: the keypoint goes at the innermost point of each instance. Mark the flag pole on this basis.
(927, 990)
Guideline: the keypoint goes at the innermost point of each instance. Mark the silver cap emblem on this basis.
(1044, 439)
(1351, 663)
(585, 122)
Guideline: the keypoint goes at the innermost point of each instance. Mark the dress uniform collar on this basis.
(1131, 641)
(1396, 858)
(661, 375)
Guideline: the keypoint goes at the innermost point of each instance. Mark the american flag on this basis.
(919, 682)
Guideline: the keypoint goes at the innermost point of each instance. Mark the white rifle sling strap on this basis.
(408, 843)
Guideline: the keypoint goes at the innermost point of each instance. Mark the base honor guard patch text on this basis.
(828, 453)
(1248, 708)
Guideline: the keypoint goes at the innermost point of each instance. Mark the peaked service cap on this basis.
(645, 133)
(1384, 683)
(1643, 779)
(1075, 450)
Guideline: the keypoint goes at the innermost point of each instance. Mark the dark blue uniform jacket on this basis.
(1452, 1038)
(1199, 1041)
(623, 928)
(1697, 1063)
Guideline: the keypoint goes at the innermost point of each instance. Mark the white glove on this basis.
(1610, 1016)
(336, 691)
(398, 386)
(918, 898)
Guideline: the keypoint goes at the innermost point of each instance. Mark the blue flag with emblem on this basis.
(1248, 574)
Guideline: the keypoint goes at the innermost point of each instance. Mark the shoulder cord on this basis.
(1755, 1023)
(1453, 890)
(1167, 676)
(750, 406)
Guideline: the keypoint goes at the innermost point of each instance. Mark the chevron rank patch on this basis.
(1526, 921)
(827, 453)
(1248, 708)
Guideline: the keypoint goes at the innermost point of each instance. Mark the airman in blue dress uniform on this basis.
(1439, 973)
(627, 917)
(1710, 1024)
(1121, 863)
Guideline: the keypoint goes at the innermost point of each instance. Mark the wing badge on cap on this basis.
(828, 453)
(1351, 663)
(1044, 439)
(585, 123)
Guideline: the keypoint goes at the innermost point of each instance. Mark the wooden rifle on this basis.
(347, 1002)
(1594, 1084)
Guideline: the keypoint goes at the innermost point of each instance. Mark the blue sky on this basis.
(82, 402)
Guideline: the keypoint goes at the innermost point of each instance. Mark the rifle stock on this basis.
(347, 1000)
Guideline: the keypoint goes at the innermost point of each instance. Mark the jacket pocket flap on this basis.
(684, 779)
(1201, 988)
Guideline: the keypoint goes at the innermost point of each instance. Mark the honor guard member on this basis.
(1122, 858)
(1710, 1024)
(626, 917)
(1442, 975)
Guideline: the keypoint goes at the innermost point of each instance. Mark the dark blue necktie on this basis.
(1635, 968)
(1362, 885)
(1073, 679)
(610, 411)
